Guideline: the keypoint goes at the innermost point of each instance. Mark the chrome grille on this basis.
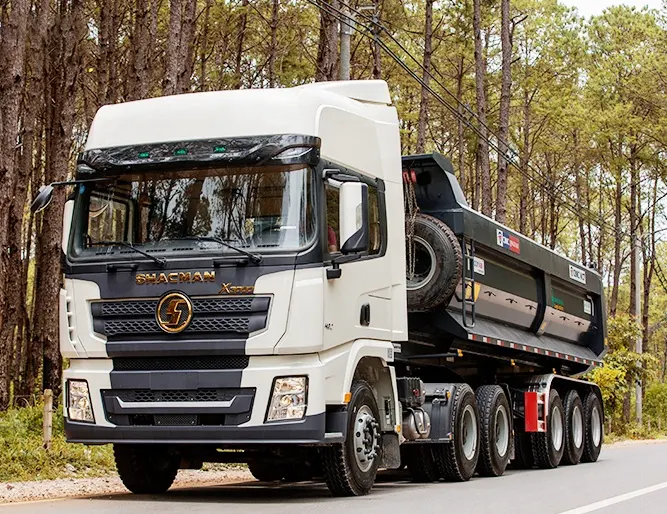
(214, 362)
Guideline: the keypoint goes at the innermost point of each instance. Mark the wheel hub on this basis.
(366, 438)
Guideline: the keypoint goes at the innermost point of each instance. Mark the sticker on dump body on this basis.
(479, 266)
(577, 274)
(587, 307)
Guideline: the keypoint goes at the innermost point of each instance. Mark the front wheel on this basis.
(350, 468)
(145, 469)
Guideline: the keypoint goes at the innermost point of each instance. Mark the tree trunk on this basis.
(327, 48)
(139, 74)
(649, 267)
(274, 44)
(480, 88)
(375, 46)
(578, 189)
(460, 135)
(634, 231)
(13, 36)
(523, 164)
(243, 22)
(613, 302)
(173, 47)
(63, 68)
(186, 47)
(504, 121)
(426, 77)
(203, 53)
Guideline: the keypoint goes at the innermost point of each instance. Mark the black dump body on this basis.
(530, 304)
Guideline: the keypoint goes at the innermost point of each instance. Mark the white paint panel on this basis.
(279, 286)
(83, 292)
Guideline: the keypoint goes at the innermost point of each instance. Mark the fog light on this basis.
(288, 401)
(78, 401)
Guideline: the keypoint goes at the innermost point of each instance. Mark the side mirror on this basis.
(353, 217)
(43, 198)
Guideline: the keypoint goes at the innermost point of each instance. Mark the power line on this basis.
(367, 32)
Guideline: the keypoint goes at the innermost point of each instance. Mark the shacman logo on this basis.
(174, 313)
(187, 277)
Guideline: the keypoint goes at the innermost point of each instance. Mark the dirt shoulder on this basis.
(11, 492)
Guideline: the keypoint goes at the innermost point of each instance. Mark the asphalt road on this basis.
(627, 479)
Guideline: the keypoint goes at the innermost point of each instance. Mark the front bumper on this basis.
(323, 428)
(117, 395)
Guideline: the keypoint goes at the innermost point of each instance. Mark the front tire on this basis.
(548, 447)
(145, 469)
(496, 430)
(574, 428)
(350, 468)
(457, 460)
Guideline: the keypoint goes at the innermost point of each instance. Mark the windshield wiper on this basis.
(157, 260)
(254, 257)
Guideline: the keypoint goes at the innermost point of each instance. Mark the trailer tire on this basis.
(145, 469)
(438, 266)
(523, 451)
(495, 432)
(419, 460)
(574, 428)
(549, 446)
(457, 460)
(593, 428)
(345, 473)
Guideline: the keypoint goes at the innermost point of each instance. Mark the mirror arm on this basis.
(335, 272)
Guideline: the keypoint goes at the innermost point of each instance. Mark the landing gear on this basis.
(350, 467)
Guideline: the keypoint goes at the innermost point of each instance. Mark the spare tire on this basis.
(438, 264)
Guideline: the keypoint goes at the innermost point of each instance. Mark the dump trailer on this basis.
(258, 276)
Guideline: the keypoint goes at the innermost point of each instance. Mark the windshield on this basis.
(260, 209)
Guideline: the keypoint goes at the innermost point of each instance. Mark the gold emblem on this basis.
(174, 313)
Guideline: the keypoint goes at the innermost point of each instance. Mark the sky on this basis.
(591, 7)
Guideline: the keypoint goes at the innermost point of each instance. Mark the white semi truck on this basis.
(236, 289)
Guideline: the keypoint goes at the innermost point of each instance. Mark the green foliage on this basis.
(23, 457)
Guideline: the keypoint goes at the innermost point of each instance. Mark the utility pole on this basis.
(346, 25)
(638, 342)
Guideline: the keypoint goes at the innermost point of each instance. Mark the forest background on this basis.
(556, 125)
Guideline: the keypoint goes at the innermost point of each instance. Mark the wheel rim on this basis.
(366, 438)
(469, 432)
(577, 427)
(424, 264)
(557, 429)
(596, 426)
(502, 431)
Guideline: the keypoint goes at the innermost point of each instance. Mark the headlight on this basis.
(78, 401)
(289, 399)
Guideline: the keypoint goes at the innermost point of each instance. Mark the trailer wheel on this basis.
(145, 469)
(523, 451)
(456, 461)
(350, 467)
(438, 264)
(495, 432)
(574, 428)
(593, 428)
(548, 447)
(420, 463)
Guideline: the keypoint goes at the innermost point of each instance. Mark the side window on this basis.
(107, 220)
(375, 239)
(333, 231)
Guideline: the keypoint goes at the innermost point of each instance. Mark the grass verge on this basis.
(22, 456)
